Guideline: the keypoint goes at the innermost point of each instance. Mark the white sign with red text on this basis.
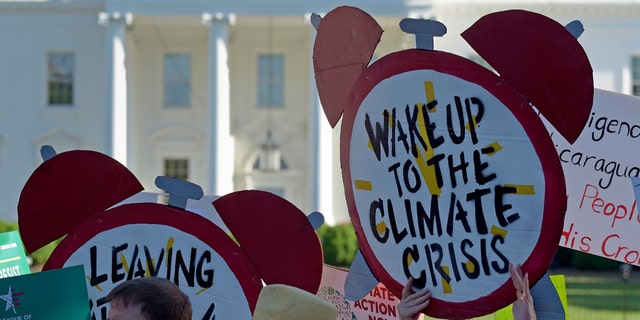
(379, 304)
(602, 215)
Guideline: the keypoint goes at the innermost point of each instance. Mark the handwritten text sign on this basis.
(451, 179)
(379, 304)
(602, 216)
(152, 240)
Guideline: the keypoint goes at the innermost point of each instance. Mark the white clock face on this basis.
(136, 250)
(447, 185)
(164, 252)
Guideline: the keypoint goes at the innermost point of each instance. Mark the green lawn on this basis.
(603, 296)
(599, 295)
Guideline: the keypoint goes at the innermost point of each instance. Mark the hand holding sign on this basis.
(412, 303)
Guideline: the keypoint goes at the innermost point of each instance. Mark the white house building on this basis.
(222, 92)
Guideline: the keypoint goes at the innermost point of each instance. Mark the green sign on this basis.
(13, 261)
(59, 294)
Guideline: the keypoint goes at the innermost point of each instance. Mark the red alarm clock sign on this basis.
(78, 194)
(449, 175)
(153, 240)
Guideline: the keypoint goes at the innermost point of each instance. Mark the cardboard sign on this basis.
(13, 261)
(49, 295)
(546, 63)
(118, 238)
(602, 215)
(78, 183)
(449, 180)
(448, 174)
(379, 304)
(276, 236)
(148, 239)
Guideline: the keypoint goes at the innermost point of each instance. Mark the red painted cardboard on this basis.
(276, 235)
(67, 189)
(542, 60)
(340, 52)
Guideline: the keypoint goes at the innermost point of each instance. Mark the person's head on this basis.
(148, 299)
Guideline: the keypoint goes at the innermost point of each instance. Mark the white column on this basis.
(221, 146)
(116, 80)
(320, 153)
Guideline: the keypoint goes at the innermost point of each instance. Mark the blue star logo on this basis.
(8, 298)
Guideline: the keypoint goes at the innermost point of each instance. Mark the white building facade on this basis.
(222, 93)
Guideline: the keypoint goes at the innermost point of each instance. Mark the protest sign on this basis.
(602, 215)
(49, 295)
(379, 304)
(153, 240)
(448, 206)
(118, 235)
(449, 176)
(13, 261)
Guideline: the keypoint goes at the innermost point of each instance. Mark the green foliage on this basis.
(6, 226)
(41, 255)
(563, 258)
(602, 295)
(586, 261)
(339, 244)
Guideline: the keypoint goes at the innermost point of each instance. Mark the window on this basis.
(635, 76)
(177, 80)
(60, 67)
(176, 168)
(271, 80)
(263, 164)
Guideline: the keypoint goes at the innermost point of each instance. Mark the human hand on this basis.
(412, 302)
(523, 306)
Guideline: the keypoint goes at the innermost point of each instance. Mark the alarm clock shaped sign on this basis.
(449, 173)
(79, 195)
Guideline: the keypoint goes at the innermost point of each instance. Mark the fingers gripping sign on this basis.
(412, 303)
